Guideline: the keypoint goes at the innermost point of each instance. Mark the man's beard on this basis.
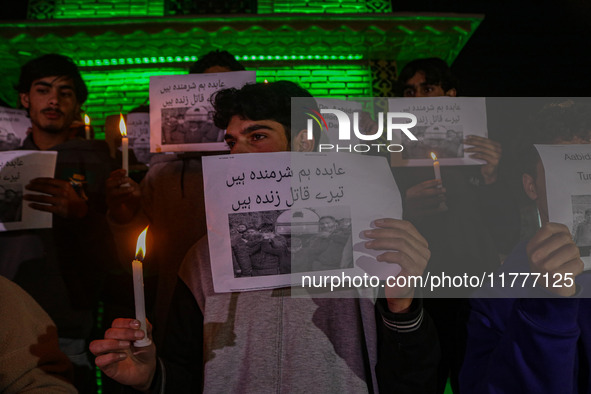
(51, 129)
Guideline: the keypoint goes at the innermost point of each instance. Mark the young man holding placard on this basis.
(479, 219)
(265, 340)
(528, 337)
(62, 268)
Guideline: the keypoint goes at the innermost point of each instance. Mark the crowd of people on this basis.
(532, 340)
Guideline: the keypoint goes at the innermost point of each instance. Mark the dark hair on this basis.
(266, 101)
(436, 70)
(555, 122)
(215, 58)
(49, 65)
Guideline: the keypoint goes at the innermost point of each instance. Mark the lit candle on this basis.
(436, 167)
(87, 126)
(138, 288)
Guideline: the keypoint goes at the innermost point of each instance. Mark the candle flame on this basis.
(122, 128)
(140, 249)
(433, 156)
(86, 120)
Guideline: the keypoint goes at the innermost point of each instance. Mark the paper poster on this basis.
(442, 125)
(332, 134)
(17, 169)
(181, 114)
(138, 132)
(273, 217)
(14, 124)
(568, 190)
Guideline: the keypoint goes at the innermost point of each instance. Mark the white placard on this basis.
(568, 190)
(17, 169)
(293, 195)
(14, 124)
(138, 132)
(442, 125)
(332, 133)
(181, 112)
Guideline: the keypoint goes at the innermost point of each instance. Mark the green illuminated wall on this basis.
(331, 54)
(71, 9)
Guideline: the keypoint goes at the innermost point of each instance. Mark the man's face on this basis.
(52, 104)
(241, 228)
(327, 225)
(417, 86)
(254, 136)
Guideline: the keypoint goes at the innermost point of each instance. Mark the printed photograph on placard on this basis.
(290, 240)
(14, 124)
(193, 125)
(11, 202)
(444, 141)
(582, 223)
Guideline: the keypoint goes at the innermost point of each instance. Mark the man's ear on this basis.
(529, 186)
(301, 143)
(451, 92)
(24, 99)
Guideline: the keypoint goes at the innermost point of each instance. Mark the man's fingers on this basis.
(125, 323)
(554, 254)
(546, 231)
(430, 184)
(104, 346)
(408, 264)
(41, 198)
(124, 334)
(488, 158)
(400, 246)
(476, 140)
(54, 189)
(45, 208)
(108, 361)
(405, 226)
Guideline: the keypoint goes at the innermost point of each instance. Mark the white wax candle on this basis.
(125, 154)
(437, 170)
(140, 308)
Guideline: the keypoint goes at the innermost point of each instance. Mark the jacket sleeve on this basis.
(180, 366)
(521, 345)
(408, 350)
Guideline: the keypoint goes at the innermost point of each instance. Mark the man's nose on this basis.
(53, 97)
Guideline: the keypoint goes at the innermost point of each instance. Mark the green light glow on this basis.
(191, 59)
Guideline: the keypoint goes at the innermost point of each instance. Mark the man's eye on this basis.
(408, 93)
(230, 143)
(66, 93)
(428, 89)
(258, 137)
(42, 90)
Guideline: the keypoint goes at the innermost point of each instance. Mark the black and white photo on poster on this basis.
(290, 240)
(11, 202)
(445, 141)
(582, 223)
